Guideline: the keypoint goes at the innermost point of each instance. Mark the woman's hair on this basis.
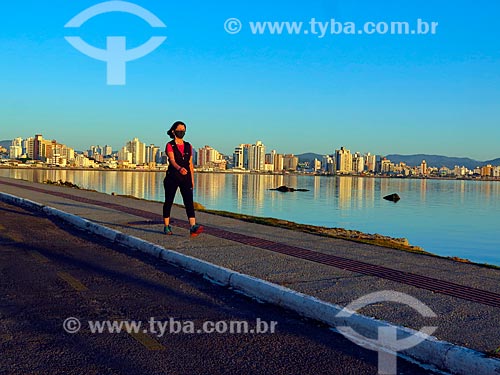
(174, 126)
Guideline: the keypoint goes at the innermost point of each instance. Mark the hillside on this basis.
(438, 160)
(309, 157)
(5, 144)
(415, 160)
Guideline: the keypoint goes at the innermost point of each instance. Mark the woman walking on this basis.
(180, 174)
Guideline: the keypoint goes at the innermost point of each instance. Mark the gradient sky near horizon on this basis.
(434, 94)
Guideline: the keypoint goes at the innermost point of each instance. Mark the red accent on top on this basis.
(179, 146)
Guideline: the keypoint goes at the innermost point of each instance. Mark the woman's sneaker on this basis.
(195, 230)
(167, 229)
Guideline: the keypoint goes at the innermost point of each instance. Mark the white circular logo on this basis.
(387, 344)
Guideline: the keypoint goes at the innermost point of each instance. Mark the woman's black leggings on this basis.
(171, 183)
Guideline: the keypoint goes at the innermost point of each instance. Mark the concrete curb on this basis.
(441, 355)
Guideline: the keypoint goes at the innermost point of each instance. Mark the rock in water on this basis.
(392, 197)
(286, 189)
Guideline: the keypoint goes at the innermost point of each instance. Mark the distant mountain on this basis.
(493, 162)
(439, 161)
(309, 157)
(5, 144)
(415, 160)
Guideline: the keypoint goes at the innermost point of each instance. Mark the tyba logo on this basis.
(116, 54)
(387, 344)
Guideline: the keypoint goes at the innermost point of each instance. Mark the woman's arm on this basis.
(171, 159)
(191, 167)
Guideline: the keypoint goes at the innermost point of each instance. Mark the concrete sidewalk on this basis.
(471, 321)
(45, 282)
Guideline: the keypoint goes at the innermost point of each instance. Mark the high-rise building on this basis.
(238, 157)
(241, 156)
(423, 167)
(195, 157)
(460, 171)
(37, 147)
(17, 142)
(40, 148)
(358, 163)
(94, 151)
(487, 171)
(16, 148)
(273, 155)
(30, 147)
(272, 159)
(107, 150)
(370, 162)
(343, 160)
(125, 155)
(138, 151)
(268, 159)
(316, 165)
(53, 153)
(329, 164)
(68, 153)
(496, 172)
(46, 149)
(257, 157)
(208, 157)
(278, 163)
(15, 152)
(386, 166)
(83, 162)
(152, 154)
(290, 162)
(247, 148)
(378, 164)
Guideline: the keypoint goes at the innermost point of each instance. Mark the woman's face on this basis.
(180, 131)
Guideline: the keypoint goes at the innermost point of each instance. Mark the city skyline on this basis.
(404, 94)
(161, 148)
(246, 157)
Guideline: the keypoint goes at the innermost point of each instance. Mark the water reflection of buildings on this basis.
(317, 187)
(209, 187)
(370, 187)
(237, 185)
(250, 192)
(144, 185)
(344, 189)
(423, 189)
(256, 194)
(354, 192)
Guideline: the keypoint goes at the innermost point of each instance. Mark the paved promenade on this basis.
(45, 281)
(465, 297)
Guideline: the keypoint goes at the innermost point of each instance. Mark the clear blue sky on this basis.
(436, 94)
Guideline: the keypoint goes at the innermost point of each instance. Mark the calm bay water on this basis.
(450, 218)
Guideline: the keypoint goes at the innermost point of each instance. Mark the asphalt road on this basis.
(50, 273)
